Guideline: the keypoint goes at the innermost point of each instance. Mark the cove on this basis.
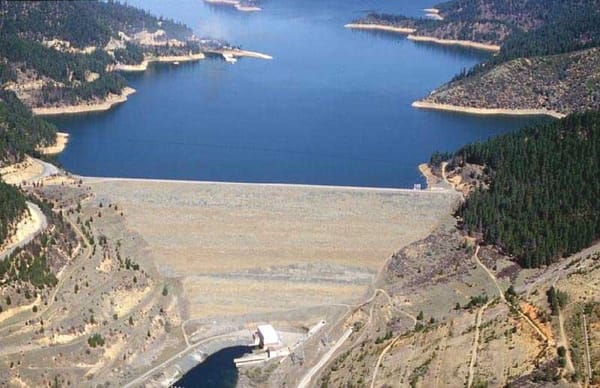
(333, 107)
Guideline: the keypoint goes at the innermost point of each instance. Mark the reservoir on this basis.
(332, 107)
(218, 370)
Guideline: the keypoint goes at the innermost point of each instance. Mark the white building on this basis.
(267, 336)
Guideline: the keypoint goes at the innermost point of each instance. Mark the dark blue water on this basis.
(332, 107)
(217, 371)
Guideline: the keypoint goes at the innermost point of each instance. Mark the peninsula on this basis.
(84, 75)
(541, 65)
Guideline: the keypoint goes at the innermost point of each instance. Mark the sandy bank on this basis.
(30, 225)
(162, 59)
(236, 4)
(452, 42)
(123, 67)
(59, 145)
(19, 172)
(486, 111)
(431, 179)
(111, 100)
(380, 27)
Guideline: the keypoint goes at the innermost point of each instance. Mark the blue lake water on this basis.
(217, 371)
(332, 107)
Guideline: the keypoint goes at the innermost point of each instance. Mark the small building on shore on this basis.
(267, 337)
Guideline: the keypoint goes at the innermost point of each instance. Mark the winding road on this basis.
(308, 377)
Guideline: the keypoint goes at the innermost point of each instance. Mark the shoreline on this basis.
(487, 111)
(418, 38)
(238, 53)
(106, 104)
(453, 42)
(379, 27)
(430, 178)
(59, 145)
(163, 59)
(236, 4)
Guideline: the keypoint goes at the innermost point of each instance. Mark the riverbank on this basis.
(59, 145)
(487, 111)
(235, 4)
(101, 106)
(379, 27)
(162, 59)
(454, 42)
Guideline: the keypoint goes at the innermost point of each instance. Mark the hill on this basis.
(540, 197)
(546, 58)
(562, 83)
(62, 52)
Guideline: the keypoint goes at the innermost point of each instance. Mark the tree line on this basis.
(542, 202)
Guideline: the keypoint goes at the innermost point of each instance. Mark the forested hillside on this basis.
(523, 28)
(82, 23)
(12, 206)
(20, 134)
(548, 57)
(61, 52)
(20, 131)
(543, 199)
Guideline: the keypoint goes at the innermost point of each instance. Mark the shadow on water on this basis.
(217, 371)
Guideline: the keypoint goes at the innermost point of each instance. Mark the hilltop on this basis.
(545, 60)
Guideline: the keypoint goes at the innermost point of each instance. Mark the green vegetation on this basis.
(20, 131)
(63, 44)
(58, 65)
(388, 335)
(12, 207)
(438, 157)
(419, 372)
(476, 301)
(542, 202)
(130, 55)
(556, 299)
(82, 23)
(511, 295)
(95, 340)
(23, 265)
(530, 34)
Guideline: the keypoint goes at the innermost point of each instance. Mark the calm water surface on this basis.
(332, 107)
(217, 371)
